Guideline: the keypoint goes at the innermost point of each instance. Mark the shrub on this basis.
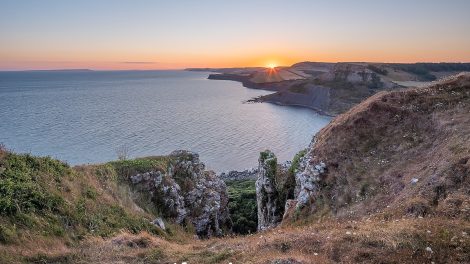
(7, 234)
(296, 161)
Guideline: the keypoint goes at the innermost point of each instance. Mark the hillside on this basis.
(385, 182)
(404, 152)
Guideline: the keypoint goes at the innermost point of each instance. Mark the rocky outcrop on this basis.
(267, 196)
(307, 182)
(187, 193)
(307, 178)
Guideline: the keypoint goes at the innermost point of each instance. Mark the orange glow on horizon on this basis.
(147, 61)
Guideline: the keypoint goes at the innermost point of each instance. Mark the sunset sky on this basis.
(112, 34)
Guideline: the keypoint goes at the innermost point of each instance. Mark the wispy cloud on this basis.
(139, 62)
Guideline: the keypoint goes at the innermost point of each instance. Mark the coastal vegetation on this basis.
(41, 196)
(242, 204)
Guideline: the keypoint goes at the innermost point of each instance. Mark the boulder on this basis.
(158, 222)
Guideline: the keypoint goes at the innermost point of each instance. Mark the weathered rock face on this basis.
(307, 178)
(267, 196)
(188, 193)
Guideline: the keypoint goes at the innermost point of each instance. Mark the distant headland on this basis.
(60, 70)
(333, 88)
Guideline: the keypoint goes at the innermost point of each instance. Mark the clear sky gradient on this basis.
(138, 34)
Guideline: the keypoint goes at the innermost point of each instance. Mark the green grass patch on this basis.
(296, 161)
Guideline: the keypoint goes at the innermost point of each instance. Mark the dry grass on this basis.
(369, 240)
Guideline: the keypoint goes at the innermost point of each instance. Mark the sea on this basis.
(84, 117)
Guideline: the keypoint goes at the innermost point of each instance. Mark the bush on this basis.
(21, 187)
(7, 235)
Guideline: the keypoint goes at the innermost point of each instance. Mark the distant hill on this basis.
(61, 70)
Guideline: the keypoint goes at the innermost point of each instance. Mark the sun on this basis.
(271, 66)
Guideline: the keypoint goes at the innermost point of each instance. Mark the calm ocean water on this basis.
(84, 117)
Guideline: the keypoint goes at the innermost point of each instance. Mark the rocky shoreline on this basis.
(248, 174)
(281, 95)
